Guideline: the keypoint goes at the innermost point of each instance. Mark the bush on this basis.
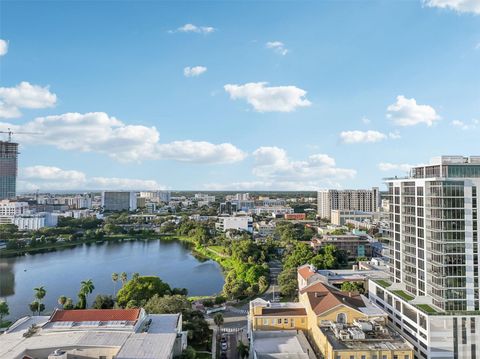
(103, 302)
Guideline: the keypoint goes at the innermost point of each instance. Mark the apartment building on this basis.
(119, 201)
(10, 209)
(353, 246)
(241, 223)
(341, 217)
(433, 292)
(354, 200)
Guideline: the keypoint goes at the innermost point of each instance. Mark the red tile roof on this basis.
(323, 298)
(305, 271)
(95, 315)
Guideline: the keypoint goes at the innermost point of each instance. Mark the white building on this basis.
(9, 209)
(33, 222)
(156, 196)
(433, 295)
(94, 334)
(340, 217)
(242, 223)
(264, 229)
(119, 201)
(272, 210)
(356, 200)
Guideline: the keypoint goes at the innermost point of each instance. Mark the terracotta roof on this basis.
(95, 315)
(283, 311)
(323, 298)
(305, 271)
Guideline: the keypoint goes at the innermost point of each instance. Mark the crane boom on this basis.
(10, 133)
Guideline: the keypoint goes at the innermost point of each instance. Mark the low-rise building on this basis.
(354, 246)
(33, 222)
(242, 223)
(340, 217)
(264, 229)
(295, 216)
(93, 334)
(283, 344)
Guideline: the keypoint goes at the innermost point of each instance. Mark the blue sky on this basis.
(237, 95)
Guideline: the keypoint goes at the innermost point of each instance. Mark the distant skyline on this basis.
(271, 95)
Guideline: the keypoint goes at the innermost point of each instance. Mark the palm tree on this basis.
(33, 307)
(68, 304)
(86, 288)
(123, 278)
(115, 280)
(218, 320)
(62, 300)
(40, 293)
(135, 276)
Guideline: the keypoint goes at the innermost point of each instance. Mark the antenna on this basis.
(10, 133)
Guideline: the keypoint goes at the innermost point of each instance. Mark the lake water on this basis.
(61, 271)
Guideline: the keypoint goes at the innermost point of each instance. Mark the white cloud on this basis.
(273, 163)
(465, 126)
(386, 167)
(472, 6)
(3, 47)
(366, 121)
(277, 46)
(50, 177)
(195, 29)
(200, 152)
(24, 95)
(406, 112)
(194, 71)
(100, 133)
(269, 99)
(362, 136)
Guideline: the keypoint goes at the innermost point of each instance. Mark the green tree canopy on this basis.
(168, 304)
(141, 290)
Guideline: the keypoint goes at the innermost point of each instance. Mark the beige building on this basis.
(364, 200)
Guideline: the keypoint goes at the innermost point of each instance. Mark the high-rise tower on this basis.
(8, 169)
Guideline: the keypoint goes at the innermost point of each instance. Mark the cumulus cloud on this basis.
(272, 164)
(265, 98)
(100, 133)
(386, 167)
(277, 46)
(362, 136)
(195, 29)
(472, 6)
(24, 95)
(465, 126)
(3, 47)
(194, 71)
(50, 177)
(406, 112)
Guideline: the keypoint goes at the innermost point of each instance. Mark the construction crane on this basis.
(10, 133)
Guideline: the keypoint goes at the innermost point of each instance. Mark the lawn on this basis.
(383, 283)
(404, 295)
(426, 308)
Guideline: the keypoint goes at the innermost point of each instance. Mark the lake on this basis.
(61, 271)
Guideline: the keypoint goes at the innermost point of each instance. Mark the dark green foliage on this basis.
(141, 289)
(103, 302)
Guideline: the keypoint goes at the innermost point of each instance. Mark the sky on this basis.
(236, 95)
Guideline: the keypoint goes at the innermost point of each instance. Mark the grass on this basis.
(383, 283)
(5, 324)
(426, 308)
(402, 294)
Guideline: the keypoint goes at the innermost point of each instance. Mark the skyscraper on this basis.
(433, 295)
(8, 169)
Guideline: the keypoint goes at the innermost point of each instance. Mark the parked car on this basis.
(224, 346)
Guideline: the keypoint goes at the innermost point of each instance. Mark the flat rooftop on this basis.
(390, 340)
(285, 344)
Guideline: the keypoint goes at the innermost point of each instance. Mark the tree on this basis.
(68, 304)
(189, 353)
(287, 279)
(352, 287)
(218, 320)
(242, 349)
(135, 276)
(115, 277)
(40, 293)
(33, 306)
(62, 300)
(169, 304)
(4, 310)
(103, 302)
(141, 290)
(86, 288)
(123, 278)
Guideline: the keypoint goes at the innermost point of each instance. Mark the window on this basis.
(342, 318)
(406, 357)
(352, 356)
(279, 321)
(384, 357)
(285, 320)
(265, 322)
(374, 356)
(273, 321)
(364, 357)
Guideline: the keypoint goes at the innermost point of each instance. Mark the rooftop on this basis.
(354, 338)
(101, 315)
(285, 344)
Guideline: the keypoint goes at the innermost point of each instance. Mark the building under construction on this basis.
(8, 169)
